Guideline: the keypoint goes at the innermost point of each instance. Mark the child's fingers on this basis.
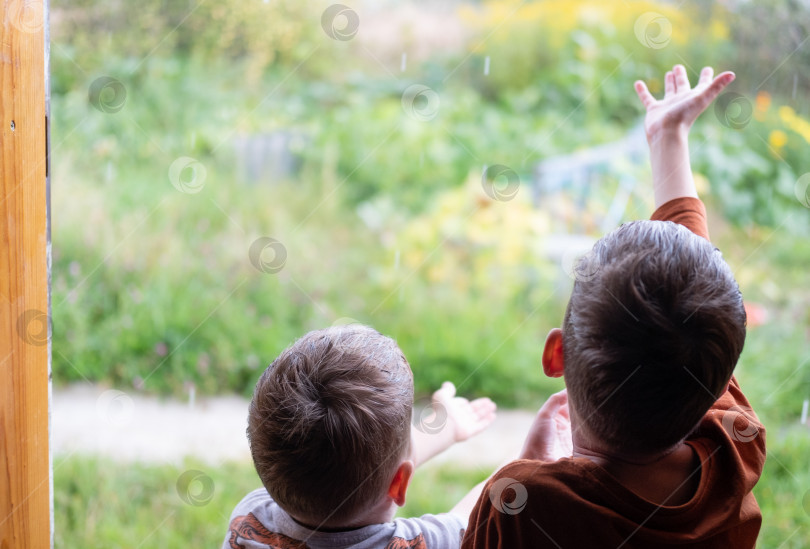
(710, 93)
(669, 84)
(644, 94)
(681, 78)
(565, 412)
(486, 418)
(706, 76)
(552, 406)
(446, 392)
(483, 403)
(483, 408)
(726, 77)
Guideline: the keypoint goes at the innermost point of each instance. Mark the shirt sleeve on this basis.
(244, 525)
(529, 503)
(687, 211)
(733, 417)
(436, 531)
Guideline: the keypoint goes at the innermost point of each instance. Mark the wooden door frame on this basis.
(26, 484)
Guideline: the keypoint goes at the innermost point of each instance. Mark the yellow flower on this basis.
(778, 139)
(787, 114)
(718, 29)
(794, 122)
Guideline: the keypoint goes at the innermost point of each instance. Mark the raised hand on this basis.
(550, 436)
(681, 104)
(667, 125)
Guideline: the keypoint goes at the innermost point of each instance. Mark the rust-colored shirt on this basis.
(689, 212)
(574, 503)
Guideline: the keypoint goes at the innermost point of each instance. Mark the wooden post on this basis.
(25, 480)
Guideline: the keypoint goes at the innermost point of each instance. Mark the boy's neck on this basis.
(325, 528)
(379, 514)
(668, 478)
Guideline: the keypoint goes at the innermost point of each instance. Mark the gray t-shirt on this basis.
(258, 522)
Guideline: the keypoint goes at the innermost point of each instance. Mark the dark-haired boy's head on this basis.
(329, 423)
(652, 333)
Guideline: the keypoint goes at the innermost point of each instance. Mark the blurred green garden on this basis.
(381, 213)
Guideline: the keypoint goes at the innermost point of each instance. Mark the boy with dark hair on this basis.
(652, 444)
(331, 438)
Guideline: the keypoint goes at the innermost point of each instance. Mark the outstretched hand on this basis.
(464, 418)
(681, 104)
(450, 419)
(550, 436)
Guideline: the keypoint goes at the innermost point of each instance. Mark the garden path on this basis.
(126, 426)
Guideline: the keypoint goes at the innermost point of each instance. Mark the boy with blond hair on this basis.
(331, 438)
(652, 444)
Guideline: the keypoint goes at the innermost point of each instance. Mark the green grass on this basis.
(783, 491)
(99, 503)
(437, 489)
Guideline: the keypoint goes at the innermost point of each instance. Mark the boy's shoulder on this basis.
(552, 501)
(258, 522)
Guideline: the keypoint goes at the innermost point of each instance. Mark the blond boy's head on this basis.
(329, 423)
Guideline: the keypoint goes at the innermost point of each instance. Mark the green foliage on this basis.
(262, 34)
(153, 287)
(765, 32)
(580, 57)
(752, 181)
(166, 294)
(783, 493)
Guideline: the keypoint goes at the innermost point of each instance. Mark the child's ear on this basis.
(553, 363)
(400, 482)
